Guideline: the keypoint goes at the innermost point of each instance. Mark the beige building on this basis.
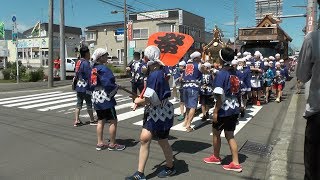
(33, 51)
(144, 24)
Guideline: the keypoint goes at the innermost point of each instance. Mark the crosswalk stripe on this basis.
(33, 98)
(57, 106)
(48, 103)
(252, 112)
(33, 95)
(40, 100)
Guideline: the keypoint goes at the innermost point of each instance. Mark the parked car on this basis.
(71, 64)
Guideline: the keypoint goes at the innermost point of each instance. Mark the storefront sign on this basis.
(153, 15)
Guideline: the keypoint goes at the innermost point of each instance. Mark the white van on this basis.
(71, 64)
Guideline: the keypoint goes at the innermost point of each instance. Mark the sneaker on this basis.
(181, 117)
(175, 99)
(242, 113)
(232, 167)
(136, 176)
(212, 160)
(93, 123)
(100, 147)
(258, 103)
(116, 147)
(167, 172)
(77, 124)
(277, 100)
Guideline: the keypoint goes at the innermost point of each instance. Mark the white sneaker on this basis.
(277, 100)
(175, 99)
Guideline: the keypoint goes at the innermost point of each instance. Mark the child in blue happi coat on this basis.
(104, 90)
(159, 115)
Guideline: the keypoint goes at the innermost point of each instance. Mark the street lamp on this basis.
(125, 41)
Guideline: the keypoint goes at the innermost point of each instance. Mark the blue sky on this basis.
(82, 13)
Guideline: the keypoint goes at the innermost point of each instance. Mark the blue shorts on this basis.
(190, 97)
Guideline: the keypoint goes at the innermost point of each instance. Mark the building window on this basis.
(90, 36)
(166, 27)
(140, 33)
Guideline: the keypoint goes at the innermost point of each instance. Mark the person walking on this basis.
(226, 111)
(56, 67)
(83, 72)
(105, 88)
(308, 71)
(159, 115)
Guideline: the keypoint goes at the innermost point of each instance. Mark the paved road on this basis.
(38, 141)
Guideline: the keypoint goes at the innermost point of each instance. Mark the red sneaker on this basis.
(258, 103)
(212, 160)
(232, 167)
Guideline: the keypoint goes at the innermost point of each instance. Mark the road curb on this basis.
(278, 164)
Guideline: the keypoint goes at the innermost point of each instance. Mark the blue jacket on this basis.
(83, 76)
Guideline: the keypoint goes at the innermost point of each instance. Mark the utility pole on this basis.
(125, 41)
(50, 50)
(62, 43)
(311, 16)
(235, 24)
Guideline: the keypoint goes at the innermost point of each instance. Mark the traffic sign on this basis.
(14, 18)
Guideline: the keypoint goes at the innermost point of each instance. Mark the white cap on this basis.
(266, 63)
(248, 56)
(271, 57)
(98, 53)
(153, 54)
(182, 63)
(257, 53)
(245, 53)
(248, 63)
(277, 55)
(195, 55)
(208, 65)
(239, 54)
(270, 62)
(241, 60)
(189, 60)
(265, 59)
(277, 63)
(234, 62)
(281, 61)
(235, 57)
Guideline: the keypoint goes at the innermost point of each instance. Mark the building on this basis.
(33, 50)
(4, 51)
(110, 35)
(264, 7)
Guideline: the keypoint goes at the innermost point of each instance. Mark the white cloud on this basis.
(231, 23)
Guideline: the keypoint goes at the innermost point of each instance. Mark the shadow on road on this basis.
(228, 159)
(127, 142)
(181, 146)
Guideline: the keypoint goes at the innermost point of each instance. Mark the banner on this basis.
(36, 30)
(2, 31)
(129, 27)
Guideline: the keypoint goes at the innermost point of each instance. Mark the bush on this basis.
(115, 69)
(11, 71)
(34, 76)
(6, 74)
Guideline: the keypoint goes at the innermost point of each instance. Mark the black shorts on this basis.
(159, 135)
(206, 100)
(107, 114)
(226, 123)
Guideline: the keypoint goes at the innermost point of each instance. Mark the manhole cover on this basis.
(250, 147)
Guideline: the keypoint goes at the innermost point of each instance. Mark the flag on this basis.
(36, 30)
(2, 31)
(173, 46)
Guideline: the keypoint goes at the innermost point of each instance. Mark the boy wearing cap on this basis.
(268, 80)
(279, 79)
(104, 90)
(256, 80)
(226, 111)
(159, 115)
(244, 74)
(182, 65)
(206, 90)
(191, 79)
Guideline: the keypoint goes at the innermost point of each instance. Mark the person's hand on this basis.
(215, 117)
(128, 69)
(137, 100)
